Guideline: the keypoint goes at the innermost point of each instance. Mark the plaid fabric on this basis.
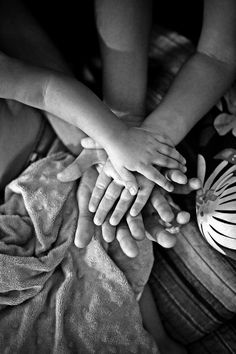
(194, 286)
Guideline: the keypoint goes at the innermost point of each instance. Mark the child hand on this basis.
(138, 149)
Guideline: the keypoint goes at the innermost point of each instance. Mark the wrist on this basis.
(115, 136)
(174, 129)
(129, 117)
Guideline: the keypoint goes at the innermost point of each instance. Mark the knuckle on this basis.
(95, 197)
(100, 185)
(110, 196)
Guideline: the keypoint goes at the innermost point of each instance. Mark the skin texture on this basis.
(130, 229)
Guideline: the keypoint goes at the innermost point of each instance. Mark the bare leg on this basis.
(152, 323)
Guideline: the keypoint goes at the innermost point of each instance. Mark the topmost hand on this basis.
(139, 150)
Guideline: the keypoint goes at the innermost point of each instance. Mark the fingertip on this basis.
(131, 250)
(97, 221)
(80, 241)
(133, 189)
(183, 217)
(166, 240)
(195, 183)
(169, 187)
(85, 142)
(168, 216)
(113, 221)
(133, 212)
(179, 177)
(92, 208)
(62, 177)
(71, 173)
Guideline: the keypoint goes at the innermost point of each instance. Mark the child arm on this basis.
(204, 78)
(71, 101)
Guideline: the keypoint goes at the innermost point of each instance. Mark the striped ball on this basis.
(216, 206)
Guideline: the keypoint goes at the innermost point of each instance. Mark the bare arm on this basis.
(123, 27)
(21, 37)
(58, 94)
(205, 77)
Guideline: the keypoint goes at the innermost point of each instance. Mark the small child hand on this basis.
(137, 149)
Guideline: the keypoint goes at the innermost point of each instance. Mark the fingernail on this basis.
(92, 208)
(133, 191)
(97, 221)
(112, 221)
(170, 188)
(133, 212)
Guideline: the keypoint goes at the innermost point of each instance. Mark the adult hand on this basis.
(127, 232)
(132, 229)
(106, 193)
(161, 207)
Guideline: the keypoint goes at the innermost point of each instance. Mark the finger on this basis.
(136, 226)
(85, 227)
(85, 160)
(108, 231)
(192, 185)
(110, 171)
(157, 233)
(170, 152)
(176, 176)
(154, 175)
(129, 180)
(183, 217)
(127, 243)
(101, 185)
(109, 198)
(89, 143)
(161, 205)
(195, 183)
(141, 199)
(168, 162)
(121, 207)
(165, 239)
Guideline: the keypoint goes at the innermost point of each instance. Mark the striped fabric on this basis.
(194, 286)
(195, 290)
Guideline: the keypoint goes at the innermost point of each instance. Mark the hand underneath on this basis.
(163, 219)
(126, 233)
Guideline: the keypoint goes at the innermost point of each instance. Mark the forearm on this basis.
(59, 95)
(123, 27)
(29, 42)
(199, 85)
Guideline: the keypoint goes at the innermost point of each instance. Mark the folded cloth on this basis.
(55, 298)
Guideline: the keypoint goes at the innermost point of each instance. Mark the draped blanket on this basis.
(55, 298)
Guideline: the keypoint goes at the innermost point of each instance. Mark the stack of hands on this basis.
(105, 202)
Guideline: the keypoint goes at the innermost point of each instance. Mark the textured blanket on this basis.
(55, 298)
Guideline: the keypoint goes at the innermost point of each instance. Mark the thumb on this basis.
(129, 180)
(86, 159)
(89, 143)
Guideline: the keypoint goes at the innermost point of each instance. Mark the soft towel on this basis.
(55, 298)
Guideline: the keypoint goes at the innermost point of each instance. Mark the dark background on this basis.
(71, 25)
